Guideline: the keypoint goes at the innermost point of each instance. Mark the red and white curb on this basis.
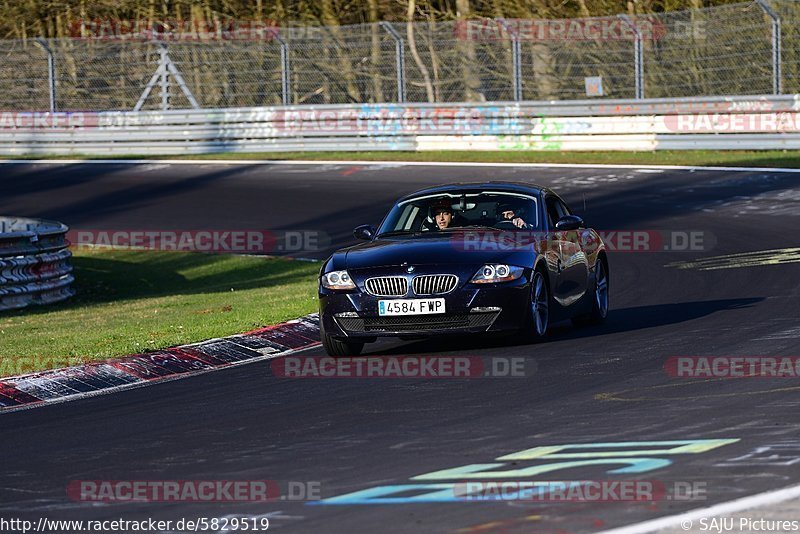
(136, 370)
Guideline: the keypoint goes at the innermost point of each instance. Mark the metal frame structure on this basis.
(638, 56)
(400, 61)
(516, 65)
(51, 72)
(777, 78)
(161, 76)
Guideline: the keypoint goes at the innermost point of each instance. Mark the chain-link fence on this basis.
(24, 76)
(745, 48)
(712, 51)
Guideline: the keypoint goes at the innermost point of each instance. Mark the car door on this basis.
(572, 266)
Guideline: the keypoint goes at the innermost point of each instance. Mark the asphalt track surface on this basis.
(591, 385)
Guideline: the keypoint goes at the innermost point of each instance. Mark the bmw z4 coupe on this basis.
(464, 258)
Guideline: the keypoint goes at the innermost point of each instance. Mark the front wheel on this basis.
(599, 298)
(538, 308)
(337, 347)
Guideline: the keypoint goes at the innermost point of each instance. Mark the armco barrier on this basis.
(736, 122)
(34, 262)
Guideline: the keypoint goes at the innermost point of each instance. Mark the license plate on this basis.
(410, 307)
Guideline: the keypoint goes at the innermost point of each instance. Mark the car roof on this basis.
(510, 187)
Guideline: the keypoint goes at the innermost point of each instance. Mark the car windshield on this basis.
(454, 210)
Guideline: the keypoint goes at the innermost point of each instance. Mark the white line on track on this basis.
(685, 519)
(395, 163)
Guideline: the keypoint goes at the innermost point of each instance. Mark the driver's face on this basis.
(508, 214)
(443, 219)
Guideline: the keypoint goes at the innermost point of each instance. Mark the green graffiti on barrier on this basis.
(546, 140)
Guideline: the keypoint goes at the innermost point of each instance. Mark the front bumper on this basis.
(471, 308)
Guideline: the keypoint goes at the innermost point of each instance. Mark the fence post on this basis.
(638, 56)
(162, 67)
(285, 80)
(777, 78)
(516, 65)
(51, 72)
(400, 60)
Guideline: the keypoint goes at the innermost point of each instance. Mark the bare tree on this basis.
(375, 50)
(468, 58)
(412, 45)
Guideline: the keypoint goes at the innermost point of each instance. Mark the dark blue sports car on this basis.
(464, 258)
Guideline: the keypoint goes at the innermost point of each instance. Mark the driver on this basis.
(507, 212)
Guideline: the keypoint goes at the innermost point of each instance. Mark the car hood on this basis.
(445, 250)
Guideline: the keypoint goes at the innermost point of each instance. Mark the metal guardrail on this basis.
(737, 122)
(34, 262)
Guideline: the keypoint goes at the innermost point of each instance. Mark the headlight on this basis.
(496, 272)
(337, 280)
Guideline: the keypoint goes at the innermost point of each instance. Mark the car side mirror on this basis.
(365, 232)
(569, 222)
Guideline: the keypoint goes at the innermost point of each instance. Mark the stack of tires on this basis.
(34, 262)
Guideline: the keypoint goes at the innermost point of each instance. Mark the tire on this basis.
(538, 308)
(336, 347)
(599, 297)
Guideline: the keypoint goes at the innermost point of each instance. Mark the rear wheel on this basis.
(599, 298)
(538, 308)
(337, 347)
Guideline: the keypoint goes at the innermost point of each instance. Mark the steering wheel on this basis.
(506, 224)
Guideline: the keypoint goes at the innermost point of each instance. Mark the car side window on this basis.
(556, 209)
(563, 209)
(553, 214)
